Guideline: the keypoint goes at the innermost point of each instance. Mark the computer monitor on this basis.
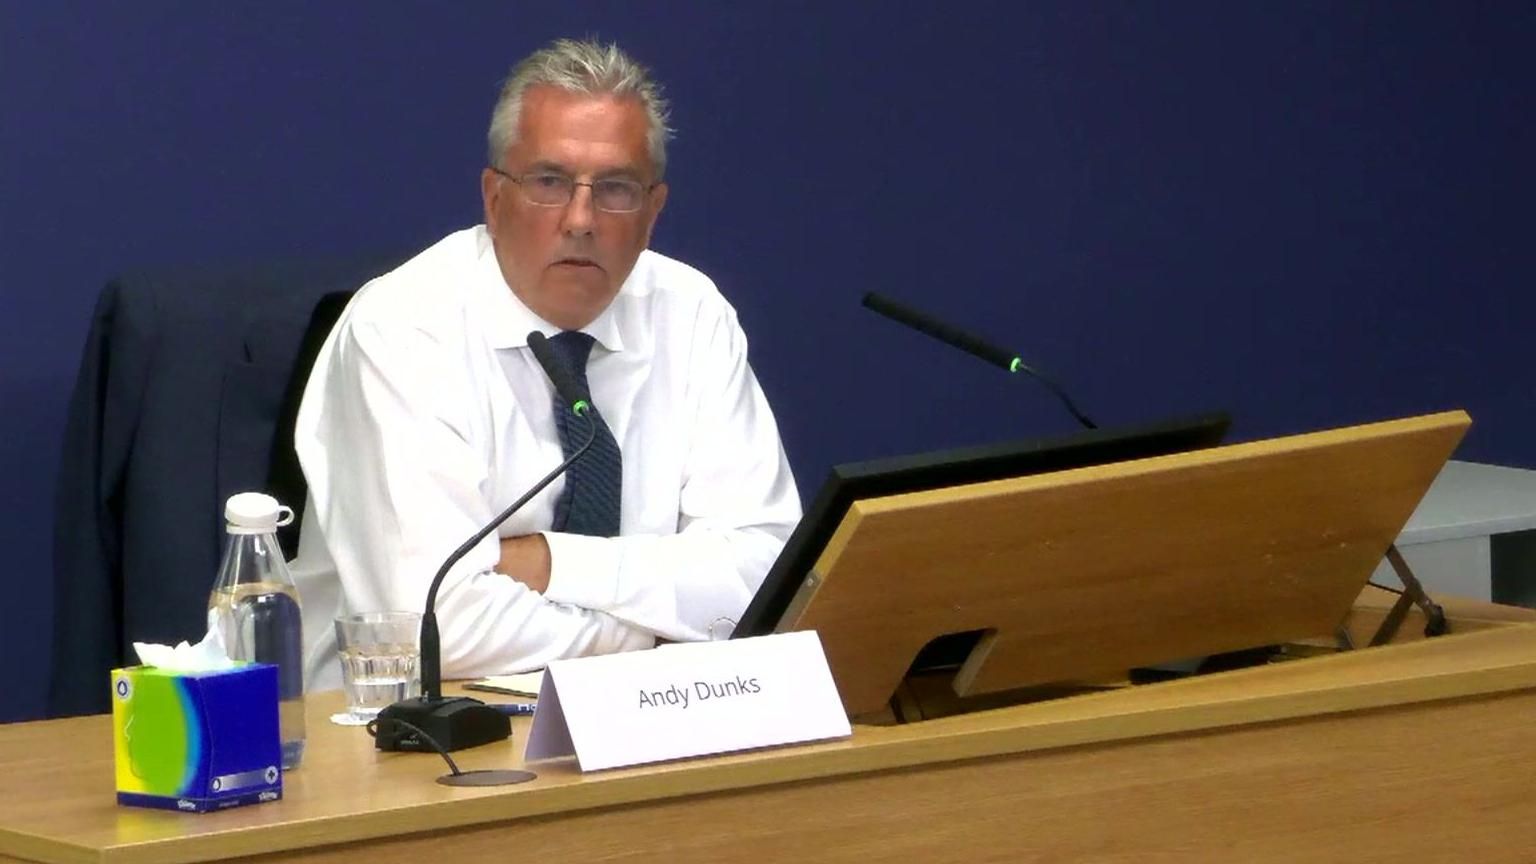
(935, 470)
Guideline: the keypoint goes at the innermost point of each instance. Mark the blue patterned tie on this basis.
(593, 484)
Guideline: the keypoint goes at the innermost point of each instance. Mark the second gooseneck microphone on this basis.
(970, 344)
(459, 722)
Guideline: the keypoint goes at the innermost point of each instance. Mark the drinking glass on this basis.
(380, 661)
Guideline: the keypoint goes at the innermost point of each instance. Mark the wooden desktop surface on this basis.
(1425, 749)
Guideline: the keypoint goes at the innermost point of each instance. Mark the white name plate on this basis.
(684, 700)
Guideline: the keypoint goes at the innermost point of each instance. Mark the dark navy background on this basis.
(1311, 214)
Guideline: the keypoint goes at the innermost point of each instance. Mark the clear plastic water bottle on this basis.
(255, 606)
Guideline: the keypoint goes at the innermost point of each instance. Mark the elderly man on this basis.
(427, 413)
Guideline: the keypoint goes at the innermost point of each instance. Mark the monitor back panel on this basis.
(1085, 573)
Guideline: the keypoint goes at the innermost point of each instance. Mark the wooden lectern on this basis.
(1421, 750)
(1083, 574)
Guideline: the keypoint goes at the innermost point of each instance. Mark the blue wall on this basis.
(1310, 214)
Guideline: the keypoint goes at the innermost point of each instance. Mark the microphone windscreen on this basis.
(948, 333)
(565, 385)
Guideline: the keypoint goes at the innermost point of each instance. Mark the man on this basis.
(427, 413)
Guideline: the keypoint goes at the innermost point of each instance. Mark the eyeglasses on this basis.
(552, 189)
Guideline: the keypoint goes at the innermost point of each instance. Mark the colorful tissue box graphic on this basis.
(196, 741)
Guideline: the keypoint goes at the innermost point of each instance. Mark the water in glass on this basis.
(377, 676)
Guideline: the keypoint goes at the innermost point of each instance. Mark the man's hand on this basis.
(526, 559)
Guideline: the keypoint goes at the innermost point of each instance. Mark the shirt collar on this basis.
(508, 320)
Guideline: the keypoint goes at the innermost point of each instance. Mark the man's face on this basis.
(567, 263)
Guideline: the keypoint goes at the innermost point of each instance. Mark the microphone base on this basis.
(455, 723)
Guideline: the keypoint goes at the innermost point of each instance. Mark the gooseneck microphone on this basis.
(970, 344)
(459, 722)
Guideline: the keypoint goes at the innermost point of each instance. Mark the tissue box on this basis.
(196, 741)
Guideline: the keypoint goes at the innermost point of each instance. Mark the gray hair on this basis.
(580, 67)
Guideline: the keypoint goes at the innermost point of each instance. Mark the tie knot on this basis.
(573, 347)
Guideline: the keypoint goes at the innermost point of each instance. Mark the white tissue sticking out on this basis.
(206, 656)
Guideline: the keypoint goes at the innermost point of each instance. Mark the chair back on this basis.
(186, 394)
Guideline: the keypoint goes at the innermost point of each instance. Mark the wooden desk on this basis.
(1419, 751)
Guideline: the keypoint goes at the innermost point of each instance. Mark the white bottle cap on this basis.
(255, 513)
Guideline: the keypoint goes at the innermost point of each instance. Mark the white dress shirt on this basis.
(426, 415)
